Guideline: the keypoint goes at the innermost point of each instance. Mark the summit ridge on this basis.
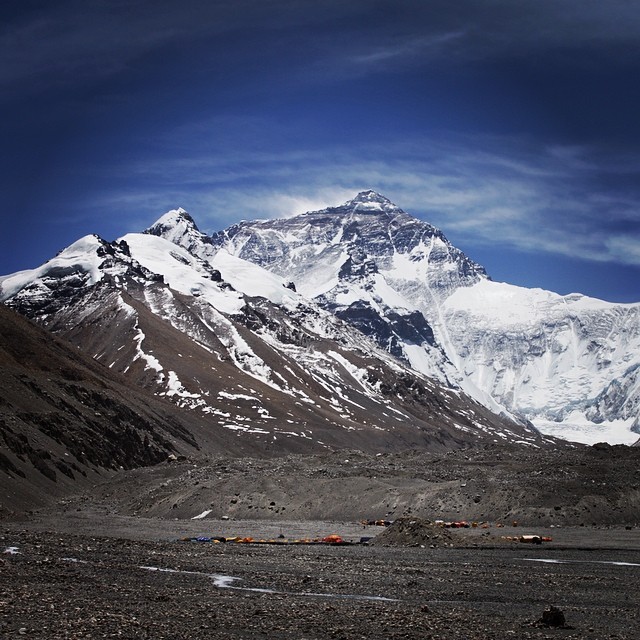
(370, 199)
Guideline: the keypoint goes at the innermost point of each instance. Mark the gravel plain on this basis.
(133, 578)
(112, 562)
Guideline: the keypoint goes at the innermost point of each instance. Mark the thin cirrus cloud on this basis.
(507, 124)
(73, 41)
(626, 247)
(400, 50)
(470, 30)
(530, 198)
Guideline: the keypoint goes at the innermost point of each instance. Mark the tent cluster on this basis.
(332, 539)
(531, 539)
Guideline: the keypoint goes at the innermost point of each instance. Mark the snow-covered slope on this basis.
(257, 365)
(349, 260)
(567, 363)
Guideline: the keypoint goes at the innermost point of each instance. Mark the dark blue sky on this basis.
(510, 124)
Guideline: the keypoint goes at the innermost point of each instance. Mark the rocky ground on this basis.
(113, 563)
(583, 486)
(63, 585)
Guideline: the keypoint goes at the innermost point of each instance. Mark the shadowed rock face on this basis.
(392, 330)
(65, 419)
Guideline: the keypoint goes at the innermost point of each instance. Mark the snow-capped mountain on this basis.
(369, 263)
(567, 363)
(284, 303)
(255, 363)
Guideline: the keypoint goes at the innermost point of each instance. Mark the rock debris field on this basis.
(78, 586)
(93, 566)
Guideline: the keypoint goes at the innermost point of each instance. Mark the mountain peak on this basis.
(369, 195)
(178, 227)
(172, 219)
(371, 200)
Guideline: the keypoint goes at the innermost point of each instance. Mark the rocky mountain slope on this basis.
(66, 420)
(567, 363)
(496, 483)
(254, 366)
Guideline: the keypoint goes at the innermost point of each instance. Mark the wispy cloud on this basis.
(401, 49)
(481, 190)
(626, 248)
(72, 41)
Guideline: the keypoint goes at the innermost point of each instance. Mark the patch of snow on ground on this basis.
(236, 396)
(359, 375)
(202, 515)
(462, 428)
(151, 361)
(242, 428)
(175, 387)
(227, 582)
(74, 560)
